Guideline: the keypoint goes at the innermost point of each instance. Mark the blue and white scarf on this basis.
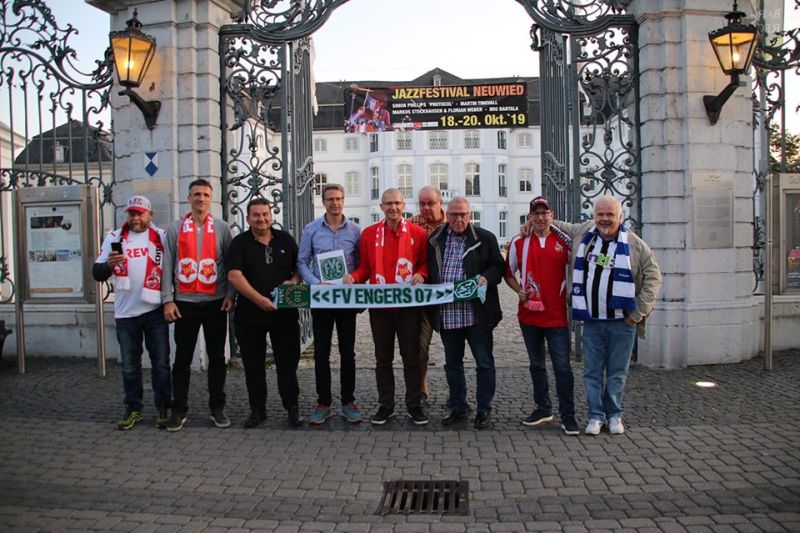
(623, 294)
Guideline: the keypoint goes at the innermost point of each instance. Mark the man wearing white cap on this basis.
(132, 256)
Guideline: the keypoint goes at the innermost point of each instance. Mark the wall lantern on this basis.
(133, 51)
(734, 46)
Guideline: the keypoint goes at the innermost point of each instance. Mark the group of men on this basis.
(195, 273)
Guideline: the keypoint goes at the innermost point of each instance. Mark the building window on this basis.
(437, 140)
(404, 181)
(351, 144)
(438, 176)
(502, 230)
(403, 139)
(355, 219)
(476, 219)
(525, 178)
(524, 140)
(437, 80)
(502, 191)
(407, 215)
(472, 179)
(375, 217)
(373, 142)
(320, 145)
(472, 139)
(375, 183)
(351, 185)
(501, 140)
(319, 181)
(523, 219)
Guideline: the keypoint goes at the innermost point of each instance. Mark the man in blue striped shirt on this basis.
(331, 232)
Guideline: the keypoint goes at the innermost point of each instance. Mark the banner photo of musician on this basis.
(501, 105)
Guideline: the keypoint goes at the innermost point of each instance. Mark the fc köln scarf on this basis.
(404, 268)
(151, 291)
(197, 269)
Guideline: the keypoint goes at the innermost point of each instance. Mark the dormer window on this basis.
(437, 80)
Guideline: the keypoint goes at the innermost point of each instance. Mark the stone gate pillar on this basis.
(184, 76)
(696, 190)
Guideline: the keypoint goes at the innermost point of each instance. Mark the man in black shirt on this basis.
(259, 260)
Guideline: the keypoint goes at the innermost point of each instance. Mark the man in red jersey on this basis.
(541, 259)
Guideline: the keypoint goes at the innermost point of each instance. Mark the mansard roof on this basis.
(70, 136)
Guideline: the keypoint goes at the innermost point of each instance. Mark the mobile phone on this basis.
(116, 247)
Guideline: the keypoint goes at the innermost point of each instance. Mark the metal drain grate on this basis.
(425, 497)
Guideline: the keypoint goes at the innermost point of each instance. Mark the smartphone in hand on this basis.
(116, 247)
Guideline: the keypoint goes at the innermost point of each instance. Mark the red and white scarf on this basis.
(404, 267)
(197, 269)
(151, 290)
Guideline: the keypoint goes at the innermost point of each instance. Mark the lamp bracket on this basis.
(149, 109)
(714, 104)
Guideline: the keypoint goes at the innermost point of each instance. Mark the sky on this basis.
(395, 40)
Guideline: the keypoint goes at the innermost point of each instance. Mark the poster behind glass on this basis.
(53, 236)
(793, 240)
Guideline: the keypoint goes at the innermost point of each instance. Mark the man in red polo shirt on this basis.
(394, 251)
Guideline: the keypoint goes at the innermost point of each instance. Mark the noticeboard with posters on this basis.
(57, 231)
(495, 105)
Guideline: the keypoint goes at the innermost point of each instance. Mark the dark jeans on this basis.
(558, 344)
(323, 321)
(154, 329)
(425, 334)
(285, 340)
(481, 343)
(403, 323)
(187, 328)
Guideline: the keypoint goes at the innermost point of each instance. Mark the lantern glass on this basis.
(734, 49)
(132, 56)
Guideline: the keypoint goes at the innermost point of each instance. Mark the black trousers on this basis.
(214, 321)
(285, 339)
(323, 321)
(403, 323)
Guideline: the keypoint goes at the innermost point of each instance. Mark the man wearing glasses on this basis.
(394, 251)
(456, 251)
(541, 260)
(259, 260)
(332, 232)
(430, 217)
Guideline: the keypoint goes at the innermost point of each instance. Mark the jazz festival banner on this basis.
(496, 105)
(375, 296)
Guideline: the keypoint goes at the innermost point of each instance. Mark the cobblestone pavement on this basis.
(720, 459)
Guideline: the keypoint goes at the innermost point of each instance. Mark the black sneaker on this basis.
(417, 415)
(569, 425)
(176, 421)
(454, 417)
(383, 414)
(219, 418)
(537, 418)
(482, 420)
(293, 417)
(255, 419)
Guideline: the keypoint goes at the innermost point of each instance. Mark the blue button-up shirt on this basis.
(318, 237)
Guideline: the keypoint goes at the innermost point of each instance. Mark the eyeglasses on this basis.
(458, 215)
(539, 213)
(426, 204)
(268, 255)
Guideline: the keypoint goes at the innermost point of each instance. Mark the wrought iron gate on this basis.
(56, 118)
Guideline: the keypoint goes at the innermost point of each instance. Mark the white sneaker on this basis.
(593, 427)
(615, 426)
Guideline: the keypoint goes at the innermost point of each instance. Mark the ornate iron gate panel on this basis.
(57, 117)
(265, 88)
(590, 116)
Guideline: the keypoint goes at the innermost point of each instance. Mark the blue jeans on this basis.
(154, 329)
(607, 347)
(482, 344)
(558, 344)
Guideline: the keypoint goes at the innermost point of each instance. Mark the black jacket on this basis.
(481, 257)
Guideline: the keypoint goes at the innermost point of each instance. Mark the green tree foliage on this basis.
(792, 150)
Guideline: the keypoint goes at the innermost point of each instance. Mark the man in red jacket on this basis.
(394, 251)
